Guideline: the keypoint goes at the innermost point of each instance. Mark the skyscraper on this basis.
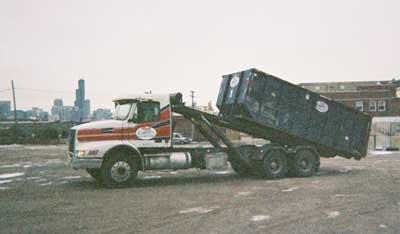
(82, 104)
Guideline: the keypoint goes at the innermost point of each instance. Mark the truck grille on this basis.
(71, 140)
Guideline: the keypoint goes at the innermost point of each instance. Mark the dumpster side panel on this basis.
(293, 114)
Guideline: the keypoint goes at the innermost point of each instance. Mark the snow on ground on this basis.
(258, 218)
(200, 210)
(333, 214)
(11, 175)
(245, 193)
(46, 184)
(290, 189)
(381, 152)
(220, 172)
(34, 178)
(5, 181)
(11, 165)
(9, 146)
(151, 177)
(71, 177)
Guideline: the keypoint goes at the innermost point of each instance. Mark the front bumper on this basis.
(84, 163)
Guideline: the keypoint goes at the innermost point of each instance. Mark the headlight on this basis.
(84, 153)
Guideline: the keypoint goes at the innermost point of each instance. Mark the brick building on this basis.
(376, 98)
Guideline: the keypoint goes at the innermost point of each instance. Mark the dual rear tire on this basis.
(274, 164)
(304, 163)
(277, 163)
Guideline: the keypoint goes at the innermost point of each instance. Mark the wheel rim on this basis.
(304, 164)
(120, 171)
(275, 165)
(305, 161)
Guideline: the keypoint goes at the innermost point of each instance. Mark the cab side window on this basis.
(148, 112)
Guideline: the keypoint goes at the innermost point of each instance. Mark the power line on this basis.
(50, 91)
(44, 90)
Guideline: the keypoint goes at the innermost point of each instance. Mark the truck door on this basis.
(150, 125)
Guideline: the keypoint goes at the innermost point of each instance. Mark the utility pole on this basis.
(192, 96)
(15, 112)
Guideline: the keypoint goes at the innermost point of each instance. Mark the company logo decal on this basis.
(146, 133)
(321, 106)
(234, 82)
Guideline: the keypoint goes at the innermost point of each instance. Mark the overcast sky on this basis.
(133, 46)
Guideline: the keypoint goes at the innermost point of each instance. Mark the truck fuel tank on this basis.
(174, 161)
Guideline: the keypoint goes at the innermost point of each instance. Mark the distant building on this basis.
(37, 114)
(82, 105)
(376, 98)
(102, 114)
(86, 110)
(21, 115)
(5, 109)
(57, 110)
(68, 114)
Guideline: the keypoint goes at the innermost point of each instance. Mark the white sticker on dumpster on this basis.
(321, 106)
(234, 82)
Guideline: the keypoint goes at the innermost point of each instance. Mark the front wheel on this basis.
(119, 170)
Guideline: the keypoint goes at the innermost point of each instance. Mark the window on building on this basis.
(372, 106)
(360, 105)
(398, 92)
(341, 87)
(382, 105)
(317, 87)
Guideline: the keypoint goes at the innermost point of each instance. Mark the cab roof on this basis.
(142, 97)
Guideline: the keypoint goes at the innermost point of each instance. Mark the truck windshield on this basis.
(121, 111)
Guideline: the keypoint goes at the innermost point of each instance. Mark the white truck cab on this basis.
(137, 138)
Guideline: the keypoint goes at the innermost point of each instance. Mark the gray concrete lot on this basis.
(40, 194)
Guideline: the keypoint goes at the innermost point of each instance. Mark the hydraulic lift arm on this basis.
(206, 124)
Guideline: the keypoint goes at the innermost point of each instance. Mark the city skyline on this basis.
(79, 112)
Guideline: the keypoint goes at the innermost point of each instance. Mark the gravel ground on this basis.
(40, 194)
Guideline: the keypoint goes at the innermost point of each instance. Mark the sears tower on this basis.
(82, 105)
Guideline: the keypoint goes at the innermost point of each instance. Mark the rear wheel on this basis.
(304, 163)
(275, 164)
(95, 173)
(119, 170)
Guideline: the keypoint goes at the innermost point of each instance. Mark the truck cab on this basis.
(137, 138)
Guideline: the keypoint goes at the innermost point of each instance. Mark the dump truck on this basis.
(299, 125)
